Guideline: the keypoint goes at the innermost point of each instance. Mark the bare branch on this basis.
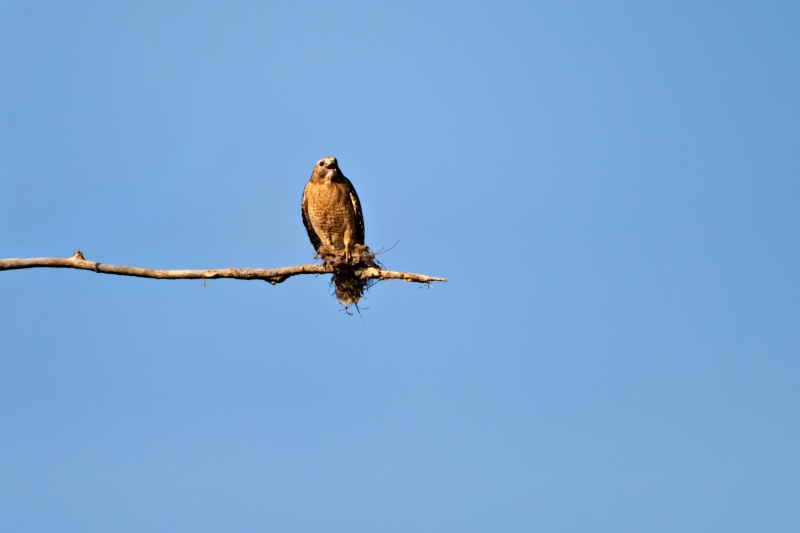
(273, 276)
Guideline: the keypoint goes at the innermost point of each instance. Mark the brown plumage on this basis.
(334, 222)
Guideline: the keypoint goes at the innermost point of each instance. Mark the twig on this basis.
(273, 276)
(382, 251)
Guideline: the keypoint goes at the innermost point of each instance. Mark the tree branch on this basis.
(273, 276)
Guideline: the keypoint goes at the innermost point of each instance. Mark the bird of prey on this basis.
(333, 218)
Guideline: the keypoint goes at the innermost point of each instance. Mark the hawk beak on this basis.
(331, 164)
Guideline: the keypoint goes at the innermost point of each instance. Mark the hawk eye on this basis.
(321, 163)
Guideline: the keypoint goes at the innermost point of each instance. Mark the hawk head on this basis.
(325, 170)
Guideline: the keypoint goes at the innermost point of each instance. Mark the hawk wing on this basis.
(316, 242)
(358, 216)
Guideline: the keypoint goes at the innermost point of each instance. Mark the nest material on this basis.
(348, 284)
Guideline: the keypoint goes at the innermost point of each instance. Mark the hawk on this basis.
(333, 218)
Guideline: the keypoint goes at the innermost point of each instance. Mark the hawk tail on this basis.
(349, 288)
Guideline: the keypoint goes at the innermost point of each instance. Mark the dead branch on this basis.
(273, 276)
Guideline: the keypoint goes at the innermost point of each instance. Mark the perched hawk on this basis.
(333, 219)
(331, 209)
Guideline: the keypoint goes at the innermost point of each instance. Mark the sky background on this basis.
(610, 188)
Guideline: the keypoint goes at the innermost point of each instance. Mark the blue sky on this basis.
(610, 188)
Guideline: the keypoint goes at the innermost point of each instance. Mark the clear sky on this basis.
(611, 188)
